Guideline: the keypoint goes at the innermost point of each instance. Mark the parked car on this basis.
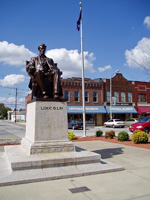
(131, 121)
(74, 124)
(115, 123)
(143, 125)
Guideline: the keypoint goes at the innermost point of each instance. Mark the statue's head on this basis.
(42, 48)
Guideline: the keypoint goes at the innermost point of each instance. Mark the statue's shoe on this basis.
(45, 97)
(56, 96)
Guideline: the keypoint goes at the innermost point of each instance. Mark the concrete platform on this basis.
(35, 168)
(19, 158)
(46, 152)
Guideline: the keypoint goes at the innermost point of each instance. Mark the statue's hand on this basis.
(49, 73)
(31, 70)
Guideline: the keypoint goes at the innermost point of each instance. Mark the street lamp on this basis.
(111, 92)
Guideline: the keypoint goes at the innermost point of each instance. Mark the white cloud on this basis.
(102, 69)
(12, 54)
(23, 69)
(12, 79)
(140, 55)
(21, 100)
(70, 61)
(26, 93)
(2, 99)
(147, 22)
(10, 102)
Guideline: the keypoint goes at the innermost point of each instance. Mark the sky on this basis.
(116, 36)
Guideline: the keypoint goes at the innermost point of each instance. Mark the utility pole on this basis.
(15, 105)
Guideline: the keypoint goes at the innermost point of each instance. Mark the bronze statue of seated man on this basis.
(39, 68)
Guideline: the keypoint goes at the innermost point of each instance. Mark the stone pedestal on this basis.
(46, 153)
(47, 128)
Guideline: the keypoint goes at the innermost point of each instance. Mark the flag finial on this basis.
(80, 4)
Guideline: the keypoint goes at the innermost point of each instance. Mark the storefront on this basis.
(121, 112)
(143, 111)
(93, 114)
(18, 116)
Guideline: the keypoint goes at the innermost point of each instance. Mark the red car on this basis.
(143, 125)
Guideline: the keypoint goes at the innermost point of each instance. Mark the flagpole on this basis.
(83, 90)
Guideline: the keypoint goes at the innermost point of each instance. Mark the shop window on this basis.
(142, 98)
(108, 96)
(90, 119)
(67, 95)
(129, 97)
(94, 96)
(122, 97)
(76, 96)
(116, 95)
(86, 97)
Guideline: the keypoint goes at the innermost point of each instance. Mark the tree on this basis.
(21, 109)
(6, 110)
(1, 105)
(139, 56)
(3, 111)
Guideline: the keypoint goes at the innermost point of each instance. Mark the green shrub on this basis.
(136, 131)
(109, 134)
(139, 137)
(99, 133)
(71, 136)
(123, 136)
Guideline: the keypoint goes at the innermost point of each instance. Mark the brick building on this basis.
(130, 98)
(94, 98)
(123, 96)
(142, 98)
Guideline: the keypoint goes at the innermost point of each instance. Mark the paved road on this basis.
(11, 130)
(92, 131)
(17, 130)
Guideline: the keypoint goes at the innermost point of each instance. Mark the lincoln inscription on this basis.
(52, 108)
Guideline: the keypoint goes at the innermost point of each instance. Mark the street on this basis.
(91, 131)
(17, 130)
(11, 130)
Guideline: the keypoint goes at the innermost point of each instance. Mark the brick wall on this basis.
(75, 84)
(120, 84)
(142, 88)
(101, 86)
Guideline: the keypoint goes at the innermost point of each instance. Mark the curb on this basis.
(10, 141)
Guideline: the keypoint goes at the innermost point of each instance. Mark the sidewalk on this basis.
(22, 123)
(132, 183)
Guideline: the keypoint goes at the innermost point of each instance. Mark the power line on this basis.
(14, 88)
(9, 103)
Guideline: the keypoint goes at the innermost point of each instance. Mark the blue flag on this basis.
(78, 22)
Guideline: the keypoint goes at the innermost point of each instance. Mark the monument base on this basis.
(19, 159)
(47, 127)
(18, 167)
(46, 152)
(47, 147)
